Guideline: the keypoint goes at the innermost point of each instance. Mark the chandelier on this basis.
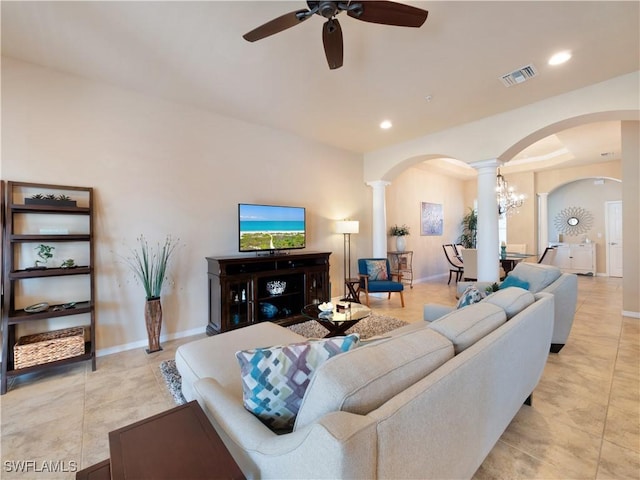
(507, 198)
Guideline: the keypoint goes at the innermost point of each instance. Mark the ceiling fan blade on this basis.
(388, 13)
(332, 40)
(277, 25)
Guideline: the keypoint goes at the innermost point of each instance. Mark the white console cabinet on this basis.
(576, 257)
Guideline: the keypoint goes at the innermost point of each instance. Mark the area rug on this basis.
(369, 327)
(172, 380)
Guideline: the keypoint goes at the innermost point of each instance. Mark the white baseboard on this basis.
(431, 278)
(144, 343)
(626, 313)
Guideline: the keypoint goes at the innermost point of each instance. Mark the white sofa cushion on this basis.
(274, 379)
(209, 357)
(466, 326)
(512, 300)
(539, 276)
(361, 380)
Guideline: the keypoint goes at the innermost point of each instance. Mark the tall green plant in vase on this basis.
(469, 229)
(150, 267)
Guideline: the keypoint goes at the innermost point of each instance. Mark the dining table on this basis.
(511, 259)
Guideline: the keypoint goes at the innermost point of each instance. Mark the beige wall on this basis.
(161, 168)
(631, 217)
(404, 198)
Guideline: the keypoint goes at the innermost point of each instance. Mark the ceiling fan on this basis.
(384, 12)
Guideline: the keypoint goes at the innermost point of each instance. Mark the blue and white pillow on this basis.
(470, 296)
(274, 379)
(377, 270)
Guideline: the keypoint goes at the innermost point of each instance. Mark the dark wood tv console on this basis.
(244, 290)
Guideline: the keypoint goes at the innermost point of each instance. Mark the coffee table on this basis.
(337, 322)
(179, 443)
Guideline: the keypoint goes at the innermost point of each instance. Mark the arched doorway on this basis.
(577, 215)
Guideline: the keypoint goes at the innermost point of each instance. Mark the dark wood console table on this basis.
(241, 288)
(179, 443)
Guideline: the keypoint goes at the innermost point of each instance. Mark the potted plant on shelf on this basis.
(50, 200)
(151, 268)
(400, 232)
(45, 253)
(68, 263)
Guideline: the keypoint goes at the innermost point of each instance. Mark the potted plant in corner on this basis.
(150, 268)
(400, 233)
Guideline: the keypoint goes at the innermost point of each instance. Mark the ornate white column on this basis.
(379, 218)
(543, 222)
(488, 243)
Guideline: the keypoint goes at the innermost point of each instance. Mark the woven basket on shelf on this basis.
(48, 347)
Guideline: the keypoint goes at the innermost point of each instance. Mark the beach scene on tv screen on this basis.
(268, 227)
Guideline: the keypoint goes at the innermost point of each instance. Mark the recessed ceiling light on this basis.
(560, 57)
(386, 124)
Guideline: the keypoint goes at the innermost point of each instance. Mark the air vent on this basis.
(519, 76)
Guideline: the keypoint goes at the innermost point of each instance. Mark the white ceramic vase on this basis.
(401, 244)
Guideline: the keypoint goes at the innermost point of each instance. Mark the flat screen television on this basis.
(270, 227)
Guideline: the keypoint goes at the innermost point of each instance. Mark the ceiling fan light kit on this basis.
(382, 12)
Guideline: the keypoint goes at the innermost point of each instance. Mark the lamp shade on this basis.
(347, 226)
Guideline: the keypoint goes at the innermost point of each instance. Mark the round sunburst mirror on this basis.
(573, 221)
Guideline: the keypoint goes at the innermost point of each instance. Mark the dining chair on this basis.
(455, 262)
(548, 256)
(470, 260)
(458, 247)
(516, 248)
(376, 277)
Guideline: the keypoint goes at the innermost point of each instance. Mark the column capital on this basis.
(544, 194)
(490, 163)
(377, 183)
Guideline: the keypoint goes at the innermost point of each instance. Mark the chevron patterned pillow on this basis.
(274, 379)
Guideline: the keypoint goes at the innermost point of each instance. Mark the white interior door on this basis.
(614, 238)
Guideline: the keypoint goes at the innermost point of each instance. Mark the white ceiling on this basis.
(193, 52)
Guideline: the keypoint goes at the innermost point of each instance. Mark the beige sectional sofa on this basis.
(541, 278)
(430, 400)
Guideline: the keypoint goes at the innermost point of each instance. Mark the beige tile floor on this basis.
(584, 422)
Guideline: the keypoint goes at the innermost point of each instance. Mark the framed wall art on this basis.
(431, 219)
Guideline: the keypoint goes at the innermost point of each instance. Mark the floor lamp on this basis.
(347, 227)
